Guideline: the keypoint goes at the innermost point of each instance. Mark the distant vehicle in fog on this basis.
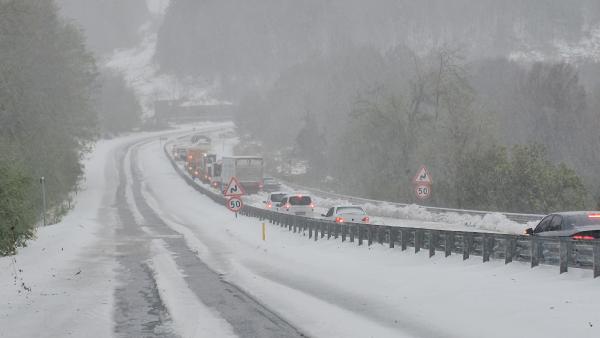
(346, 213)
(273, 199)
(270, 184)
(300, 204)
(247, 169)
(582, 225)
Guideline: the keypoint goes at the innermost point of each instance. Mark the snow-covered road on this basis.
(144, 254)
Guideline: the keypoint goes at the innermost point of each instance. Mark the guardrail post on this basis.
(329, 230)
(323, 226)
(403, 239)
(596, 260)
(535, 257)
(432, 242)
(418, 240)
(337, 230)
(485, 247)
(392, 233)
(370, 234)
(509, 249)
(467, 244)
(564, 255)
(344, 231)
(360, 235)
(448, 243)
(380, 235)
(310, 229)
(352, 230)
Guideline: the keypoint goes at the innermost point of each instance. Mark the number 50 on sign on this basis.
(423, 191)
(235, 204)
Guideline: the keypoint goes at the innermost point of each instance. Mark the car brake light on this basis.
(339, 220)
(594, 216)
(586, 237)
(288, 206)
(269, 205)
(312, 205)
(365, 219)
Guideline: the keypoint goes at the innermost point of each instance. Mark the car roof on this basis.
(301, 193)
(348, 206)
(278, 192)
(574, 213)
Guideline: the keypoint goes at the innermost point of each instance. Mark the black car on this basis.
(583, 225)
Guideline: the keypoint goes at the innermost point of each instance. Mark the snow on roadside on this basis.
(190, 317)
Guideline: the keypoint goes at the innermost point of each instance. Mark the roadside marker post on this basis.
(264, 232)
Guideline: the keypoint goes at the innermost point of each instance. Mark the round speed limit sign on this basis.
(423, 191)
(235, 204)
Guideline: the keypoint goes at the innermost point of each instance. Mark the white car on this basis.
(347, 213)
(273, 199)
(300, 204)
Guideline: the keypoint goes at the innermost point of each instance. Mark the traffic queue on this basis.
(248, 171)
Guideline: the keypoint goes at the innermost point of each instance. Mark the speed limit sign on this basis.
(235, 204)
(423, 191)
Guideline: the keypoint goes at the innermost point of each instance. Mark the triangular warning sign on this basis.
(422, 176)
(234, 188)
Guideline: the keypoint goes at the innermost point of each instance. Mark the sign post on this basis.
(422, 183)
(234, 191)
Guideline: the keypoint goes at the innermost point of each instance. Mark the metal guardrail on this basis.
(516, 217)
(563, 252)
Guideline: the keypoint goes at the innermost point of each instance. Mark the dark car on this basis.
(270, 184)
(583, 225)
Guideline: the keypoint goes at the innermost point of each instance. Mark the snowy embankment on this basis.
(62, 283)
(334, 289)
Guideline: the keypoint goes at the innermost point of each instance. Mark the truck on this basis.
(195, 155)
(202, 167)
(248, 170)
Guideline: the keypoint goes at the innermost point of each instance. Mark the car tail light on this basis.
(269, 205)
(365, 219)
(196, 172)
(288, 206)
(312, 205)
(594, 216)
(339, 220)
(585, 237)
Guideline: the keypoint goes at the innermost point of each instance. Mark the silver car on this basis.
(581, 225)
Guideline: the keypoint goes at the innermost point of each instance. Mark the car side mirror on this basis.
(529, 231)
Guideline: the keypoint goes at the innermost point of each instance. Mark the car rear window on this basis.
(277, 197)
(300, 200)
(350, 210)
(581, 220)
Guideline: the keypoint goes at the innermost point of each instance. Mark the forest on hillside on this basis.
(54, 103)
(483, 92)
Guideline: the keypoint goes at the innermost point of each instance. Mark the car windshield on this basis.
(581, 220)
(300, 200)
(350, 210)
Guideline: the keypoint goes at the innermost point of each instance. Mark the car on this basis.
(273, 199)
(580, 225)
(347, 213)
(300, 204)
(270, 184)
